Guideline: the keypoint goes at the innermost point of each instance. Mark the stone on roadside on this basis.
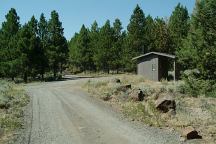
(165, 103)
(137, 95)
(190, 133)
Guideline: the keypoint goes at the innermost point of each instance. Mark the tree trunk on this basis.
(61, 68)
(42, 76)
(25, 77)
(54, 73)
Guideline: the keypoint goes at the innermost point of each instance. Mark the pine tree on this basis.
(149, 36)
(178, 26)
(205, 21)
(1, 55)
(34, 47)
(84, 51)
(162, 40)
(104, 55)
(9, 54)
(25, 51)
(127, 54)
(74, 53)
(29, 47)
(117, 48)
(188, 56)
(43, 36)
(136, 32)
(94, 37)
(58, 50)
(202, 40)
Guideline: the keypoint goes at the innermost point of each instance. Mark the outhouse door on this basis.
(154, 69)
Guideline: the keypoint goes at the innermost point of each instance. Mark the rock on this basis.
(116, 80)
(190, 133)
(165, 103)
(124, 88)
(137, 95)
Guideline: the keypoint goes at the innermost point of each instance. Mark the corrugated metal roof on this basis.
(155, 53)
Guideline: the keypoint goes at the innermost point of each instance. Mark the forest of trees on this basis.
(110, 48)
(39, 47)
(33, 49)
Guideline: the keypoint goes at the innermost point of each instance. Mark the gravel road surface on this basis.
(61, 113)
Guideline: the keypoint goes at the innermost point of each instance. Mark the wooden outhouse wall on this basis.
(148, 67)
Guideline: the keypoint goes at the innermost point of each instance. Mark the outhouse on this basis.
(154, 65)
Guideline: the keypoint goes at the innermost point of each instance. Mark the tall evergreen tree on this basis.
(104, 55)
(34, 47)
(43, 36)
(30, 50)
(204, 22)
(25, 51)
(94, 37)
(127, 54)
(149, 36)
(178, 26)
(117, 47)
(83, 47)
(74, 53)
(162, 40)
(136, 32)
(202, 38)
(58, 50)
(9, 54)
(1, 54)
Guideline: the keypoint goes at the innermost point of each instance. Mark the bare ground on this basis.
(61, 113)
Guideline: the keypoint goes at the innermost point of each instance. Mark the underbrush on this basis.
(145, 112)
(12, 101)
(197, 87)
(197, 110)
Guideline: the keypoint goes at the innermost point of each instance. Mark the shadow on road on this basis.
(68, 77)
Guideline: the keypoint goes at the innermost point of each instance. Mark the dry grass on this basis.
(12, 101)
(197, 112)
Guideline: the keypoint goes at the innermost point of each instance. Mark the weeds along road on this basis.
(61, 113)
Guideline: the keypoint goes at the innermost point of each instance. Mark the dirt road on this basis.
(62, 114)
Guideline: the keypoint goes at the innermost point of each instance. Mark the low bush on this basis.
(12, 101)
(144, 112)
(195, 86)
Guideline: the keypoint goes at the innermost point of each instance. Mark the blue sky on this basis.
(74, 13)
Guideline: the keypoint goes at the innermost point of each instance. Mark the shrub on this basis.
(12, 100)
(195, 86)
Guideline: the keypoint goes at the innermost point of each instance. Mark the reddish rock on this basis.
(165, 103)
(137, 95)
(190, 133)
